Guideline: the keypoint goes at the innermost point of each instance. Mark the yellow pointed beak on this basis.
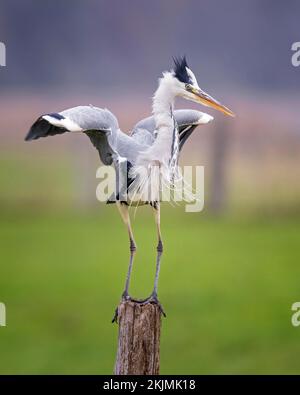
(205, 99)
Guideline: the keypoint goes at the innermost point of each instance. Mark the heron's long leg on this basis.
(123, 209)
(159, 248)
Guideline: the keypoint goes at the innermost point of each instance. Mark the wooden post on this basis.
(139, 337)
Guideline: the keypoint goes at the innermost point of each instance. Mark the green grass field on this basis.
(227, 287)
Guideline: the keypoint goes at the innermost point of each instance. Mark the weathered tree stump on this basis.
(139, 338)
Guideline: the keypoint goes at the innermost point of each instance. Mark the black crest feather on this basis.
(180, 69)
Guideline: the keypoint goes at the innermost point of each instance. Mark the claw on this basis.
(125, 298)
(154, 299)
(115, 317)
(151, 299)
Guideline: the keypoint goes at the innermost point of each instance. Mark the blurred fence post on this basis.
(218, 187)
(139, 339)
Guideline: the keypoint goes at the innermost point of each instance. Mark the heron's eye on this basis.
(188, 87)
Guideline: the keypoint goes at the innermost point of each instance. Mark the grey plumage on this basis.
(92, 118)
(102, 127)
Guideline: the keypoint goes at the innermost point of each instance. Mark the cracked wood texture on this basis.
(139, 337)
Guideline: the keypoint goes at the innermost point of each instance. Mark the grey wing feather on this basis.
(91, 118)
(187, 121)
(100, 125)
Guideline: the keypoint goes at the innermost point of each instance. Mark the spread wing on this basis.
(187, 120)
(100, 125)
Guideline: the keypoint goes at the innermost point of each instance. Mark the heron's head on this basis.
(188, 88)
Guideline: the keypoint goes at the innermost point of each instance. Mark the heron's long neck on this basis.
(163, 102)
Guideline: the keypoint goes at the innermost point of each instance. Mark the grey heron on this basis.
(151, 150)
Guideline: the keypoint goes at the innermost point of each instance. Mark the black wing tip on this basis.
(31, 136)
(34, 131)
(42, 128)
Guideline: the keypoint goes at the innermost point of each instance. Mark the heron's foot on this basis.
(125, 298)
(154, 300)
(151, 299)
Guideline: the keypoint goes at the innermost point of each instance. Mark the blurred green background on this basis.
(230, 274)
